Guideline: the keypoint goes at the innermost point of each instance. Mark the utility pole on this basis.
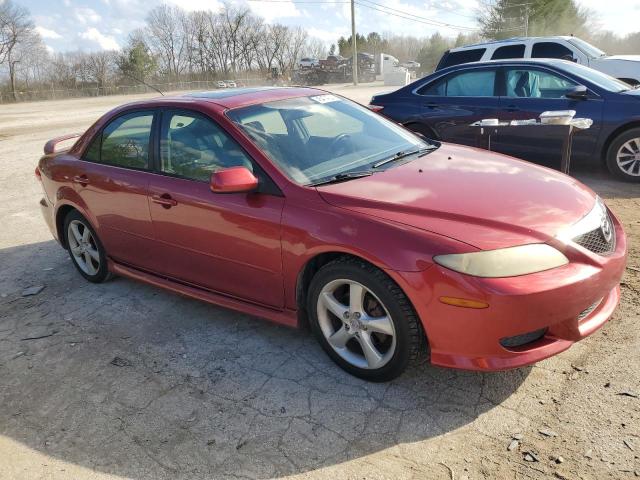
(354, 47)
(526, 20)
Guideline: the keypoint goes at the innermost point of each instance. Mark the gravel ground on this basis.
(123, 380)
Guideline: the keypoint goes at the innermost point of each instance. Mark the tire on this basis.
(623, 156)
(383, 318)
(85, 248)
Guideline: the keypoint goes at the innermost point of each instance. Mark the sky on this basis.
(104, 24)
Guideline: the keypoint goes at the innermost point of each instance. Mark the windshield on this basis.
(600, 79)
(314, 139)
(586, 48)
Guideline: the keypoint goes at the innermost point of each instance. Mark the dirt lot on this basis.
(202, 392)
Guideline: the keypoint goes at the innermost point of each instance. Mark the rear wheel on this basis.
(623, 156)
(363, 320)
(85, 249)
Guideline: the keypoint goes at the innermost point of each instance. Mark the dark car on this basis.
(444, 105)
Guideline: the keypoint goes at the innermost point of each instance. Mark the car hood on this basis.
(628, 58)
(484, 199)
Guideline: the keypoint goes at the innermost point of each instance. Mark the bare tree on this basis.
(165, 27)
(16, 32)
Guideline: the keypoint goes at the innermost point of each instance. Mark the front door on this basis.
(529, 91)
(227, 243)
(112, 179)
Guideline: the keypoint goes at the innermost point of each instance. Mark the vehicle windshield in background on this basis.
(598, 78)
(586, 48)
(318, 138)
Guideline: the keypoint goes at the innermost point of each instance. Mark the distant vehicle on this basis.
(444, 104)
(622, 67)
(411, 64)
(231, 84)
(308, 62)
(298, 205)
(221, 84)
(333, 61)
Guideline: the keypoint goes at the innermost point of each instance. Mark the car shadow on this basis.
(131, 380)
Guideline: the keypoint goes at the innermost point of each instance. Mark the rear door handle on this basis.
(81, 179)
(165, 200)
(512, 108)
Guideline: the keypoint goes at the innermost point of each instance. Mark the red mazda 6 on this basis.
(296, 205)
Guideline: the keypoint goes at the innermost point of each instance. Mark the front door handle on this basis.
(512, 108)
(431, 105)
(81, 179)
(165, 200)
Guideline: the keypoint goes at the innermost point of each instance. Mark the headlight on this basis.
(505, 262)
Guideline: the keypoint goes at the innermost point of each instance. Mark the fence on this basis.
(83, 92)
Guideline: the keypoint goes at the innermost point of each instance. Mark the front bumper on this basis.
(559, 301)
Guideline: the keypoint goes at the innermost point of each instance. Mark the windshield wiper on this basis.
(403, 154)
(343, 177)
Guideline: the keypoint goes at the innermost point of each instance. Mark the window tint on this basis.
(463, 56)
(125, 141)
(92, 153)
(529, 83)
(550, 50)
(508, 51)
(194, 147)
(474, 83)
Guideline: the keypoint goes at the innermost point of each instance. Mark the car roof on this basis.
(507, 41)
(554, 62)
(237, 97)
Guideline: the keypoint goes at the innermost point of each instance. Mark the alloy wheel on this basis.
(628, 157)
(356, 324)
(83, 247)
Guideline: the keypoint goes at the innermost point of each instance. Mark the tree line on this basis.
(175, 45)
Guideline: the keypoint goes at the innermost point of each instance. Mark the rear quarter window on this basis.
(508, 51)
(550, 50)
(464, 56)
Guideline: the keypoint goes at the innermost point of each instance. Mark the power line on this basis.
(412, 17)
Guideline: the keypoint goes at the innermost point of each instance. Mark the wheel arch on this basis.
(613, 135)
(60, 215)
(313, 266)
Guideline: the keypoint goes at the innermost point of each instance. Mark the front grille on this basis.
(596, 240)
(587, 311)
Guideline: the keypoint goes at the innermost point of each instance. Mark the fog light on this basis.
(520, 340)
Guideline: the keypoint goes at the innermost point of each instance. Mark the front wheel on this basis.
(623, 156)
(363, 320)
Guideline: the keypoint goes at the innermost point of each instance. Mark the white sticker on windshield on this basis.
(325, 98)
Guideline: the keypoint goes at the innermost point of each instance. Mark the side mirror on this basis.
(577, 93)
(233, 180)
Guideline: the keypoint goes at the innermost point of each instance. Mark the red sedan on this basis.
(297, 205)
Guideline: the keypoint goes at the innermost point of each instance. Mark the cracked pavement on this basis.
(204, 392)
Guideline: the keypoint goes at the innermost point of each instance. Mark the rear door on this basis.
(113, 178)
(529, 91)
(449, 105)
(228, 243)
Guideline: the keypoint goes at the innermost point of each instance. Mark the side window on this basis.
(193, 147)
(551, 50)
(92, 153)
(536, 84)
(125, 141)
(463, 56)
(508, 51)
(473, 83)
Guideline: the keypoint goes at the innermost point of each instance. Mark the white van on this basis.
(622, 67)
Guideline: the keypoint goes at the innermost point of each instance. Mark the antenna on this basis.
(144, 83)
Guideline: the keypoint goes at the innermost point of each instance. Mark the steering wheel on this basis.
(341, 144)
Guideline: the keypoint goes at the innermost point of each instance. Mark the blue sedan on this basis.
(444, 104)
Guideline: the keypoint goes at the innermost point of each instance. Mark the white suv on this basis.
(623, 67)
